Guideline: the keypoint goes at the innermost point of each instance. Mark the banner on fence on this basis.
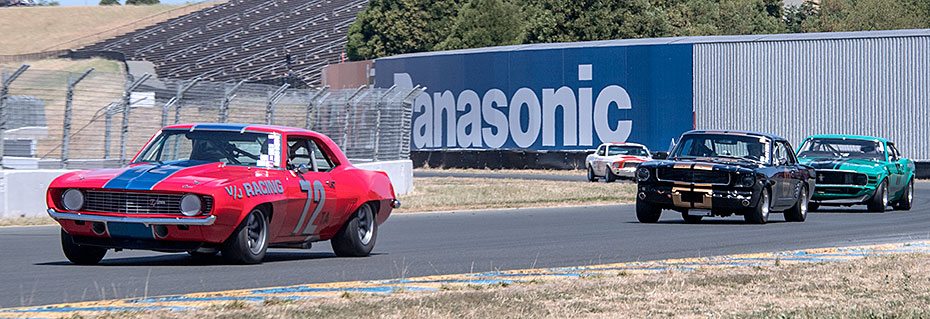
(546, 99)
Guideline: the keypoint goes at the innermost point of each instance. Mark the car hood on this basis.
(625, 158)
(717, 164)
(845, 164)
(157, 176)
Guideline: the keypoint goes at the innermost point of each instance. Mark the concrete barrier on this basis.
(400, 172)
(22, 192)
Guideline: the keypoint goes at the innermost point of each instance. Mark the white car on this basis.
(616, 160)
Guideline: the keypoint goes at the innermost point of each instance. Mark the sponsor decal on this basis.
(255, 188)
(273, 158)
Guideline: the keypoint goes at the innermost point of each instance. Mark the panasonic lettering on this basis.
(474, 120)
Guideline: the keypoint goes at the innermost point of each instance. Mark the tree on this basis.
(109, 2)
(774, 8)
(484, 23)
(564, 21)
(724, 17)
(141, 2)
(797, 14)
(862, 15)
(389, 27)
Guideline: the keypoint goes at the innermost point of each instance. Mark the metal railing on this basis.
(69, 120)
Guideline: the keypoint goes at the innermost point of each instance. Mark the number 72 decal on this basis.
(316, 194)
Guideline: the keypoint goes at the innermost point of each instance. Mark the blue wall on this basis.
(547, 99)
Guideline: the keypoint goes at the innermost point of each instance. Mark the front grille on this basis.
(693, 176)
(827, 177)
(631, 164)
(138, 203)
(837, 190)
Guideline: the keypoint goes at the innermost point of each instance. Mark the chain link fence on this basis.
(57, 119)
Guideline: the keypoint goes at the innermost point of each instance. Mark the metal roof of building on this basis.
(680, 40)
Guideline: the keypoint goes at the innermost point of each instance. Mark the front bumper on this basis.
(134, 243)
(842, 194)
(624, 171)
(161, 233)
(187, 221)
(682, 197)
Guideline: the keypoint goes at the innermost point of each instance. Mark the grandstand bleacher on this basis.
(244, 40)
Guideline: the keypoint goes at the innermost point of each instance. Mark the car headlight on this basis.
(72, 199)
(190, 205)
(862, 179)
(642, 174)
(747, 180)
(616, 165)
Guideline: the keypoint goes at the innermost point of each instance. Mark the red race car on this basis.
(231, 188)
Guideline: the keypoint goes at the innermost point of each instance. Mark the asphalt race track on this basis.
(34, 271)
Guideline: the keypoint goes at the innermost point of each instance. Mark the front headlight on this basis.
(190, 205)
(747, 180)
(862, 179)
(72, 199)
(643, 174)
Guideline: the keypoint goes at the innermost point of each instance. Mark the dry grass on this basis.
(99, 65)
(570, 172)
(27, 221)
(895, 286)
(451, 193)
(34, 29)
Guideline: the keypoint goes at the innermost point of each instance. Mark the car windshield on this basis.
(842, 148)
(743, 147)
(234, 148)
(626, 150)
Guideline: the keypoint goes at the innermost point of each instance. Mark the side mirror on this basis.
(659, 155)
(302, 169)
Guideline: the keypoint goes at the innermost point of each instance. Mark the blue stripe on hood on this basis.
(144, 177)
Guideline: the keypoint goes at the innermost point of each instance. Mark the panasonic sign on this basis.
(554, 99)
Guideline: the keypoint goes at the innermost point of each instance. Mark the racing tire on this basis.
(798, 212)
(760, 213)
(907, 199)
(591, 176)
(647, 213)
(357, 237)
(80, 254)
(691, 219)
(610, 177)
(249, 241)
(879, 201)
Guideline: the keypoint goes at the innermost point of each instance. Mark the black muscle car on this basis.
(722, 173)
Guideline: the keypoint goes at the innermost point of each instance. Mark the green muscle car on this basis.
(854, 170)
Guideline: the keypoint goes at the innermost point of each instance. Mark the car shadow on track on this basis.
(711, 221)
(183, 259)
(848, 210)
